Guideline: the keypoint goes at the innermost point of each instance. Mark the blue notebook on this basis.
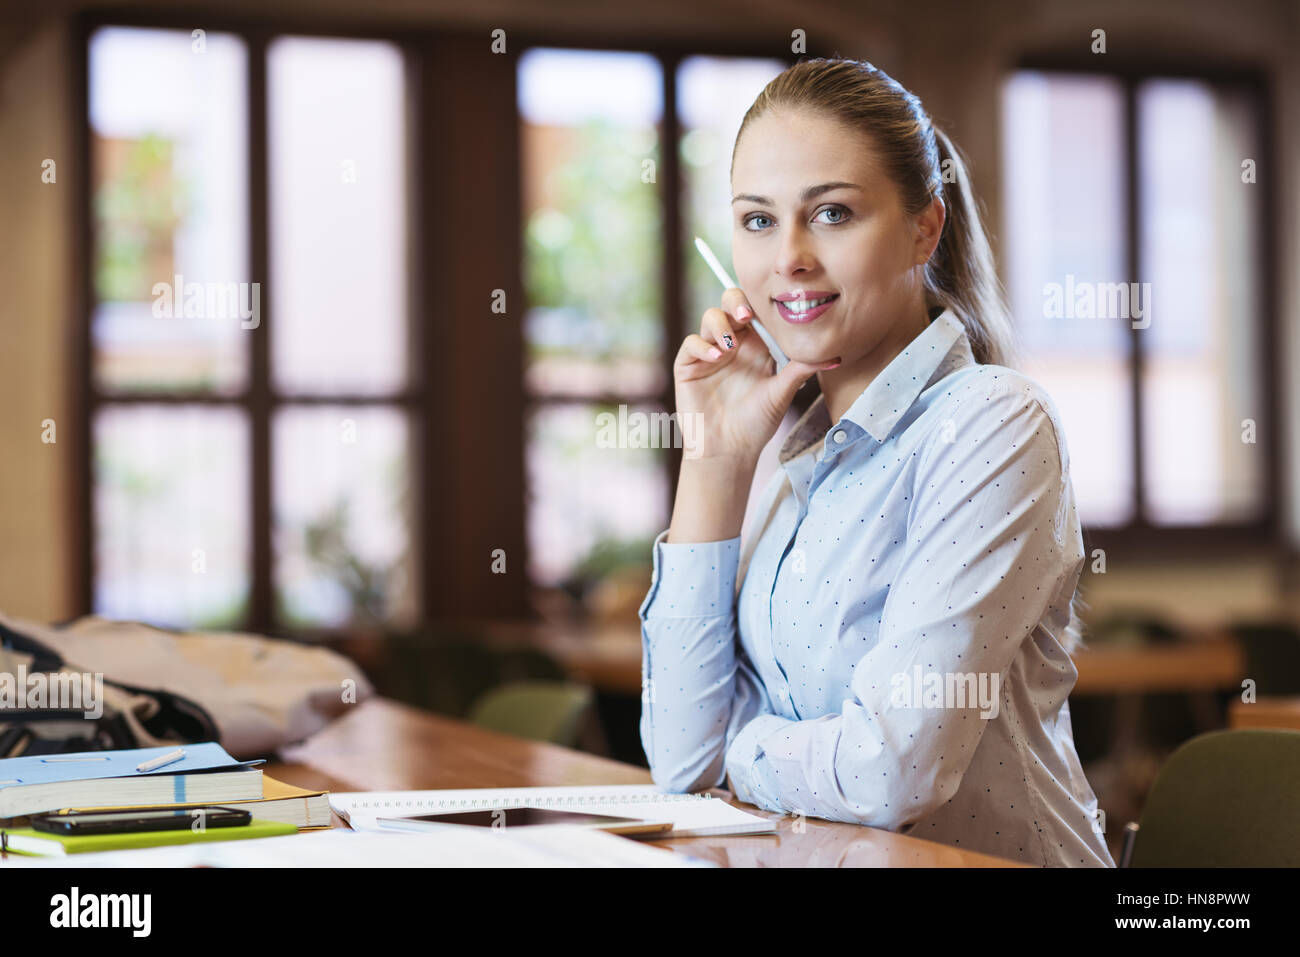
(86, 779)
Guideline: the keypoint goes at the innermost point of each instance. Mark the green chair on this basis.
(443, 672)
(1223, 799)
(539, 710)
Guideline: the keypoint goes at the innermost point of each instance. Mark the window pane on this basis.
(338, 227)
(597, 488)
(1064, 201)
(173, 301)
(171, 515)
(344, 518)
(714, 95)
(1200, 253)
(592, 225)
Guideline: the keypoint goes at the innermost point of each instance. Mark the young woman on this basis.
(891, 647)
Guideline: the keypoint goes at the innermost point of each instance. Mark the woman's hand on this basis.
(729, 403)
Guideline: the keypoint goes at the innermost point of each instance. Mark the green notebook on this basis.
(35, 843)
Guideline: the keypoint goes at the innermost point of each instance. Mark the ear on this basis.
(928, 229)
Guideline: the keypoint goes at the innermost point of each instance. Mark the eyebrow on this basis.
(809, 193)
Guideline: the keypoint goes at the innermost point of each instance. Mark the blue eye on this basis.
(843, 214)
(836, 209)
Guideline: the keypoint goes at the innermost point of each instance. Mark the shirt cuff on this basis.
(693, 579)
(748, 771)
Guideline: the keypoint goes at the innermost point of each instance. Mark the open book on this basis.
(693, 815)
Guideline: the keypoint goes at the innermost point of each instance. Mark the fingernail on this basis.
(714, 353)
(744, 312)
(831, 365)
(727, 340)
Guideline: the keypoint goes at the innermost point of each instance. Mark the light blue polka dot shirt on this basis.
(890, 645)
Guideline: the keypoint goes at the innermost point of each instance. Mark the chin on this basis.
(814, 351)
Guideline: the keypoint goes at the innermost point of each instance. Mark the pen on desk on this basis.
(153, 764)
(729, 283)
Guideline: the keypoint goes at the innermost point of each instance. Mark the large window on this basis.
(228, 386)
(1135, 216)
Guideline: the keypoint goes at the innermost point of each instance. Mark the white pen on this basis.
(729, 283)
(161, 761)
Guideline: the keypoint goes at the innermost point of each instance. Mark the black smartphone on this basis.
(124, 822)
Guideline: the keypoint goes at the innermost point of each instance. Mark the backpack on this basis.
(96, 684)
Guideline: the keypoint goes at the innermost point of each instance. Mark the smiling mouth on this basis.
(804, 310)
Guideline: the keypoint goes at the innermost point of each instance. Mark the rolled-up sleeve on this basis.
(985, 558)
(698, 688)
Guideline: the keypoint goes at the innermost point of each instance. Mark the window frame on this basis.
(1140, 537)
(259, 401)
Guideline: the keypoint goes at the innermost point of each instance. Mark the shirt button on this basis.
(840, 435)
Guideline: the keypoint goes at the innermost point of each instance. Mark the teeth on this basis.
(803, 305)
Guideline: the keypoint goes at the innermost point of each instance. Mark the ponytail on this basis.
(961, 275)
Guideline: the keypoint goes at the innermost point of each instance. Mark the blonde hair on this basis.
(923, 163)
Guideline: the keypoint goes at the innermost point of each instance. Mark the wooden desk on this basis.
(383, 745)
(1281, 712)
(1209, 664)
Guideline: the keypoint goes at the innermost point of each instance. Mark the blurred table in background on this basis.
(1281, 713)
(608, 657)
(1203, 661)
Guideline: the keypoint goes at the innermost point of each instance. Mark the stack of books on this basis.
(125, 780)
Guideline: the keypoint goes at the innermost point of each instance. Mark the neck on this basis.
(842, 386)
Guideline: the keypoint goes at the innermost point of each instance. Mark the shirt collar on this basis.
(942, 348)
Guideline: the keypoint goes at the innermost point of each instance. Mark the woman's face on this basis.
(815, 215)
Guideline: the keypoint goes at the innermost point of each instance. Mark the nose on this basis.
(795, 255)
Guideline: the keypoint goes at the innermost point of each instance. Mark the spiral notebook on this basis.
(693, 815)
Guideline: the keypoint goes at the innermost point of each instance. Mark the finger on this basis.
(753, 353)
(717, 327)
(783, 386)
(735, 303)
(696, 352)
